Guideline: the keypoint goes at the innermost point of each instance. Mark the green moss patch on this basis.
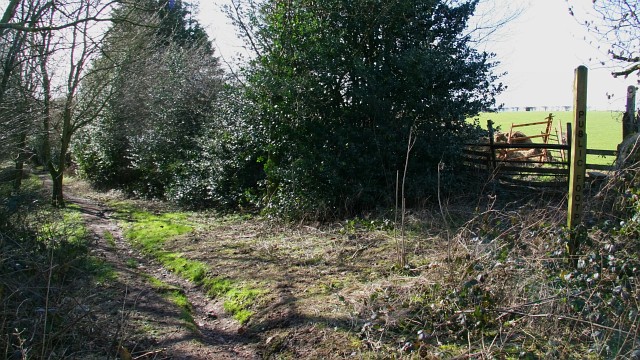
(151, 232)
(109, 238)
(238, 301)
(177, 297)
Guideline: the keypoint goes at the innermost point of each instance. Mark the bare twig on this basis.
(410, 142)
(46, 305)
(395, 228)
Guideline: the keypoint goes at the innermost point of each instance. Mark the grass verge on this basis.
(150, 232)
(48, 278)
(176, 296)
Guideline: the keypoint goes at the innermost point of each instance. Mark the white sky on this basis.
(539, 50)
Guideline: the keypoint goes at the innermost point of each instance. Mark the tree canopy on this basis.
(341, 84)
(163, 84)
(342, 100)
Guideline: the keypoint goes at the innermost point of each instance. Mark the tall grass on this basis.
(510, 290)
(47, 279)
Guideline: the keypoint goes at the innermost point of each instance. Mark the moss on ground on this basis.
(151, 232)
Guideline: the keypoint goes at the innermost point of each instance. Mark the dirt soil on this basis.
(154, 327)
(315, 282)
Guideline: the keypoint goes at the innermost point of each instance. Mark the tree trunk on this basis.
(9, 13)
(17, 180)
(22, 144)
(57, 197)
(57, 173)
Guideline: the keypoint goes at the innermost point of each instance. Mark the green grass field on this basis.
(604, 128)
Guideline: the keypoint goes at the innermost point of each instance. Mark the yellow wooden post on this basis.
(629, 125)
(578, 159)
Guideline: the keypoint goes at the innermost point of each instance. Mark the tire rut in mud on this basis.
(154, 326)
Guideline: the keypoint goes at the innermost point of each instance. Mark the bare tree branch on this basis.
(616, 24)
(9, 13)
(626, 72)
(240, 21)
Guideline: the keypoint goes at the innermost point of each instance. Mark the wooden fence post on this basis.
(629, 125)
(492, 150)
(569, 142)
(578, 161)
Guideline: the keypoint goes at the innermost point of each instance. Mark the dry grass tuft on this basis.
(508, 288)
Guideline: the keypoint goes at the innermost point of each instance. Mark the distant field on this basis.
(604, 128)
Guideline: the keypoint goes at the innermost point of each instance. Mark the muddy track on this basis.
(153, 326)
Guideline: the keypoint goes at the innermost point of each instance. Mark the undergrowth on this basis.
(509, 288)
(493, 280)
(47, 277)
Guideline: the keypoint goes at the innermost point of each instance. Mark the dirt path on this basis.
(319, 288)
(152, 326)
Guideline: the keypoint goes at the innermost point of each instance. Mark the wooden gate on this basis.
(542, 164)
